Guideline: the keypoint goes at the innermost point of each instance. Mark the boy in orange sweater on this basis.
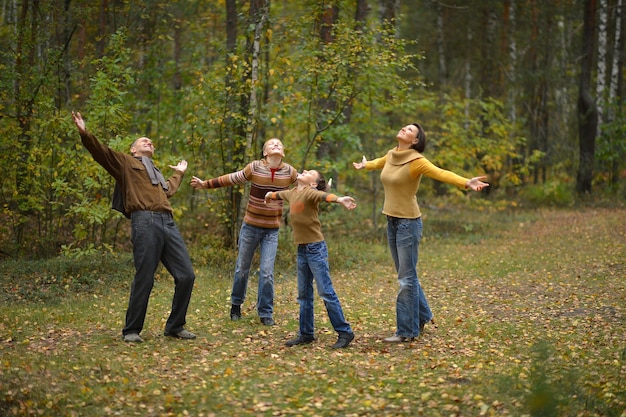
(313, 254)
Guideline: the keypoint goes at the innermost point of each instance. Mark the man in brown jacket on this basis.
(145, 200)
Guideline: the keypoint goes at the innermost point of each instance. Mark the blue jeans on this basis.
(156, 238)
(313, 265)
(251, 237)
(404, 237)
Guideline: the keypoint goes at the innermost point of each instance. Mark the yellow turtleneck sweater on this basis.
(401, 175)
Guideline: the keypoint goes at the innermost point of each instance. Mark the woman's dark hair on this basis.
(420, 145)
(321, 182)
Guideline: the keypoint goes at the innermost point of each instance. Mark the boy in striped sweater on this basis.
(260, 225)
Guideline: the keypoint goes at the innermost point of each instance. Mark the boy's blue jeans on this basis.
(313, 266)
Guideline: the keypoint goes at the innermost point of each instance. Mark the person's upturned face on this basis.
(273, 147)
(408, 134)
(308, 178)
(142, 147)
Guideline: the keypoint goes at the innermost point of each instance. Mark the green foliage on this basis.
(359, 71)
(611, 151)
(553, 193)
(473, 137)
(161, 69)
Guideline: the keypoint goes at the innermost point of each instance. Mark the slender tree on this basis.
(601, 64)
(587, 111)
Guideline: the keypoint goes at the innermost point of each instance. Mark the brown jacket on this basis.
(137, 190)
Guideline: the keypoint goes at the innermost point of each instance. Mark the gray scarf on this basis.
(153, 172)
(155, 175)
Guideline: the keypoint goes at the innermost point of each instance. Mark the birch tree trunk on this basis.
(615, 83)
(228, 144)
(259, 10)
(259, 22)
(616, 62)
(601, 65)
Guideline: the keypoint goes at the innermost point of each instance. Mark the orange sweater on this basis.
(303, 212)
(401, 175)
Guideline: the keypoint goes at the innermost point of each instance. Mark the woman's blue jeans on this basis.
(404, 237)
(251, 237)
(313, 266)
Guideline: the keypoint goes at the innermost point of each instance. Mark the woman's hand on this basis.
(476, 183)
(360, 165)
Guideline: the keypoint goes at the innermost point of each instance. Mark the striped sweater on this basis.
(263, 179)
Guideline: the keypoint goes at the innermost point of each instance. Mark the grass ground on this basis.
(530, 310)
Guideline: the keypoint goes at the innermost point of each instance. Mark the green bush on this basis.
(551, 194)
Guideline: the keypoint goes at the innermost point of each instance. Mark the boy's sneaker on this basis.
(300, 340)
(267, 321)
(235, 312)
(343, 340)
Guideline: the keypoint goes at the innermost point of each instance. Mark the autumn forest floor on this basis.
(530, 312)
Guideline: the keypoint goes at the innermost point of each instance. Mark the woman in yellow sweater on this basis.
(402, 169)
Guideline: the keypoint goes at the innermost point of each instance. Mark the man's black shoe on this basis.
(300, 340)
(343, 340)
(235, 312)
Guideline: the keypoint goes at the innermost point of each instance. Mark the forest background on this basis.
(527, 92)
(529, 299)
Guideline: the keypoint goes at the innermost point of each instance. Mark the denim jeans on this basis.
(155, 238)
(404, 237)
(313, 265)
(251, 237)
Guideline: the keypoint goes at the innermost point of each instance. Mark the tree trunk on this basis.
(511, 46)
(259, 11)
(615, 83)
(467, 80)
(587, 112)
(442, 70)
(234, 196)
(24, 64)
(489, 80)
(601, 64)
(326, 24)
(103, 23)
